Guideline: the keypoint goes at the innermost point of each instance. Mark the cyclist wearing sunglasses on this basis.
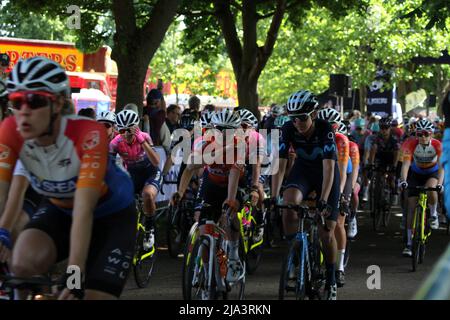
(220, 179)
(315, 169)
(385, 151)
(88, 215)
(421, 167)
(345, 170)
(142, 162)
(352, 180)
(108, 119)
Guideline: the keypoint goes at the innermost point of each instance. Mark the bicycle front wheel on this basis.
(416, 240)
(143, 261)
(290, 287)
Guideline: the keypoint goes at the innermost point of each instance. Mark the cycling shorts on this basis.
(143, 174)
(31, 202)
(310, 179)
(111, 249)
(415, 179)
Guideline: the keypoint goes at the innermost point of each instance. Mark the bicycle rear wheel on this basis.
(143, 261)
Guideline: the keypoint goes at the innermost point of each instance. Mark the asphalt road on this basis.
(369, 248)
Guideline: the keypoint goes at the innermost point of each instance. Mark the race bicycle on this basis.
(143, 260)
(205, 264)
(421, 229)
(302, 272)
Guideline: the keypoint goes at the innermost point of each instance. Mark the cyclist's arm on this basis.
(405, 168)
(233, 182)
(342, 165)
(354, 176)
(187, 176)
(256, 172)
(328, 175)
(89, 187)
(167, 165)
(277, 178)
(81, 230)
(152, 155)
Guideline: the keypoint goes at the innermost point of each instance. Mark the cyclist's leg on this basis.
(432, 181)
(327, 236)
(412, 195)
(110, 254)
(297, 186)
(43, 242)
(340, 232)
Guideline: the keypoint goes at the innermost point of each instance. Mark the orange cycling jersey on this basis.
(343, 148)
(217, 167)
(354, 154)
(78, 159)
(424, 158)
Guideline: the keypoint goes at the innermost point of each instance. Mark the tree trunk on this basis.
(248, 59)
(135, 46)
(130, 81)
(248, 96)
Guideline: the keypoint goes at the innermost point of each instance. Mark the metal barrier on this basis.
(437, 285)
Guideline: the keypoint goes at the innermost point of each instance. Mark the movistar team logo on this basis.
(329, 148)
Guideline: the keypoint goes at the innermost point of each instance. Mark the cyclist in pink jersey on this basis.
(142, 162)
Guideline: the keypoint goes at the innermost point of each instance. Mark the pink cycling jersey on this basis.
(130, 153)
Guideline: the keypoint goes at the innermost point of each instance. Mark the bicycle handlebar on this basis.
(302, 209)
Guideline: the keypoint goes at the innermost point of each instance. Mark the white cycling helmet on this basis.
(424, 125)
(226, 118)
(329, 114)
(38, 74)
(342, 128)
(302, 101)
(277, 110)
(127, 119)
(248, 117)
(107, 116)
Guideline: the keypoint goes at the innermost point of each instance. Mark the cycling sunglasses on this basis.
(421, 134)
(301, 117)
(35, 99)
(122, 131)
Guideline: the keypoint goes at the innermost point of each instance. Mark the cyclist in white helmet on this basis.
(142, 162)
(108, 119)
(220, 179)
(315, 169)
(89, 210)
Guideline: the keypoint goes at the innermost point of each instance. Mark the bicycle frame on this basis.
(422, 203)
(140, 228)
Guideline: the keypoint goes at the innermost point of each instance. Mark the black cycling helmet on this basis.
(385, 122)
(187, 121)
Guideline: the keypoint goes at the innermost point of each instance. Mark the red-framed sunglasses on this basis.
(34, 99)
(425, 134)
